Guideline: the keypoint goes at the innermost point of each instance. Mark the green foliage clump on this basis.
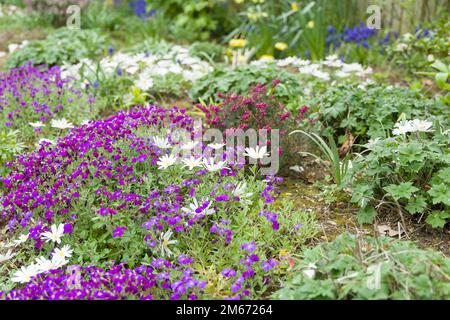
(239, 80)
(352, 267)
(407, 174)
(371, 111)
(9, 147)
(209, 50)
(63, 46)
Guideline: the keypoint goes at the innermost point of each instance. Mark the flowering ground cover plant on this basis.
(37, 102)
(301, 138)
(170, 70)
(113, 190)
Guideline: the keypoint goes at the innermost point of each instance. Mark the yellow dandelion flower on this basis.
(310, 24)
(294, 6)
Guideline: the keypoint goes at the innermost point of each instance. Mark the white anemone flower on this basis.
(212, 166)
(421, 125)
(192, 208)
(257, 152)
(22, 238)
(25, 274)
(192, 162)
(166, 161)
(55, 235)
(162, 143)
(7, 256)
(44, 141)
(63, 253)
(241, 192)
(189, 145)
(164, 242)
(37, 124)
(402, 127)
(61, 124)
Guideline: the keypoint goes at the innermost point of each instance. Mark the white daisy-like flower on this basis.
(421, 125)
(22, 238)
(37, 124)
(164, 242)
(189, 145)
(257, 152)
(166, 161)
(7, 256)
(372, 143)
(62, 253)
(55, 235)
(192, 208)
(25, 274)
(212, 166)
(144, 83)
(162, 143)
(402, 127)
(61, 124)
(44, 141)
(241, 192)
(192, 162)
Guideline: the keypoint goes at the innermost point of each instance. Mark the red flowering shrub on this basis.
(260, 109)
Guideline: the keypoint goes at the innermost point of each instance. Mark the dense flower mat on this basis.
(118, 190)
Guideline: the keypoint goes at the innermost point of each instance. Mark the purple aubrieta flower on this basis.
(269, 264)
(228, 272)
(118, 232)
(249, 246)
(184, 259)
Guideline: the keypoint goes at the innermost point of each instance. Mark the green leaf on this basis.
(437, 219)
(440, 194)
(441, 79)
(366, 215)
(402, 190)
(416, 205)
